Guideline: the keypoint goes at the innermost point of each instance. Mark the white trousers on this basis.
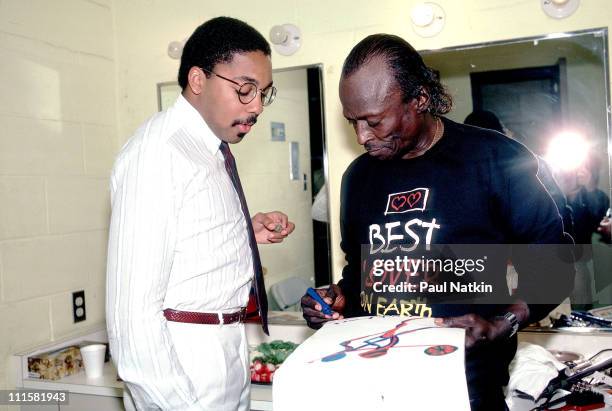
(216, 359)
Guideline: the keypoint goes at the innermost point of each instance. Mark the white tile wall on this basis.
(21, 196)
(77, 204)
(98, 149)
(91, 100)
(24, 324)
(46, 265)
(57, 144)
(35, 79)
(61, 310)
(95, 254)
(59, 98)
(32, 146)
(76, 25)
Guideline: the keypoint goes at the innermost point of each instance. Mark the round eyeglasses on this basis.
(248, 91)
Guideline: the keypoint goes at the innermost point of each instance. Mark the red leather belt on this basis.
(204, 318)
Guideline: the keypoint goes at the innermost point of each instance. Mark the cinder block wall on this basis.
(57, 143)
(72, 72)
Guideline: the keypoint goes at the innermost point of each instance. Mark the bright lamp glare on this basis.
(567, 151)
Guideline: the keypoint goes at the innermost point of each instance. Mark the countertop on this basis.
(285, 326)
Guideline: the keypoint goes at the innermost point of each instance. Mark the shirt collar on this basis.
(195, 124)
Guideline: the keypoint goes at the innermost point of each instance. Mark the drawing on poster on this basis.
(379, 344)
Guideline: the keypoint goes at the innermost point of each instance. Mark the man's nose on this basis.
(363, 134)
(256, 106)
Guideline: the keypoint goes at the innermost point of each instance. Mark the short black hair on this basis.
(407, 66)
(484, 119)
(216, 41)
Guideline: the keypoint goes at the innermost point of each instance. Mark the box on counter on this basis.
(56, 364)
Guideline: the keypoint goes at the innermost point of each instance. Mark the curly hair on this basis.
(407, 66)
(216, 41)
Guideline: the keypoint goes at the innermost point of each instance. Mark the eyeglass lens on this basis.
(248, 91)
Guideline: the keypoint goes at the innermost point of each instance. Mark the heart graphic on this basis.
(398, 202)
(403, 202)
(413, 199)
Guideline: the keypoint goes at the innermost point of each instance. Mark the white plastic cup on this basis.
(93, 359)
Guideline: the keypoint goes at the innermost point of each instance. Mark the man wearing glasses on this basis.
(182, 254)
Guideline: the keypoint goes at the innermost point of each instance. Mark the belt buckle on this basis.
(221, 320)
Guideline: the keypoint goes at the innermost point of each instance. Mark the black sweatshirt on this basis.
(475, 186)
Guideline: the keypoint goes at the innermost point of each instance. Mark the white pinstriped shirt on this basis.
(177, 240)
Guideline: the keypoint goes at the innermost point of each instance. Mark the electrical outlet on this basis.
(78, 306)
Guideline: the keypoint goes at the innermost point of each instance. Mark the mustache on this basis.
(372, 146)
(249, 121)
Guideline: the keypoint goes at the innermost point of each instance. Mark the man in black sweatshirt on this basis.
(427, 183)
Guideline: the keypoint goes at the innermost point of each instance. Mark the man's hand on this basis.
(272, 227)
(312, 310)
(479, 331)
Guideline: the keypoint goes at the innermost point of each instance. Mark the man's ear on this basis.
(196, 80)
(422, 100)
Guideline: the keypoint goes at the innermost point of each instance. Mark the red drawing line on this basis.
(378, 344)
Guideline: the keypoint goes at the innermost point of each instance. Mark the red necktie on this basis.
(260, 289)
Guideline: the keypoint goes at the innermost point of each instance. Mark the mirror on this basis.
(282, 164)
(540, 88)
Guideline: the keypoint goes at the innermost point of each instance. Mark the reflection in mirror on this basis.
(551, 94)
(282, 167)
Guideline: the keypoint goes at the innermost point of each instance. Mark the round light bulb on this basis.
(559, 9)
(567, 151)
(278, 35)
(422, 15)
(175, 49)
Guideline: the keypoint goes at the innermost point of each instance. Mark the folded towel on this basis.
(531, 370)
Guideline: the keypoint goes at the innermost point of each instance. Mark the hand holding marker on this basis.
(325, 308)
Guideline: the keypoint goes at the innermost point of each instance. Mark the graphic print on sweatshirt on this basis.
(413, 200)
(408, 235)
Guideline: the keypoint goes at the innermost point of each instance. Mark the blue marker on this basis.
(325, 308)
